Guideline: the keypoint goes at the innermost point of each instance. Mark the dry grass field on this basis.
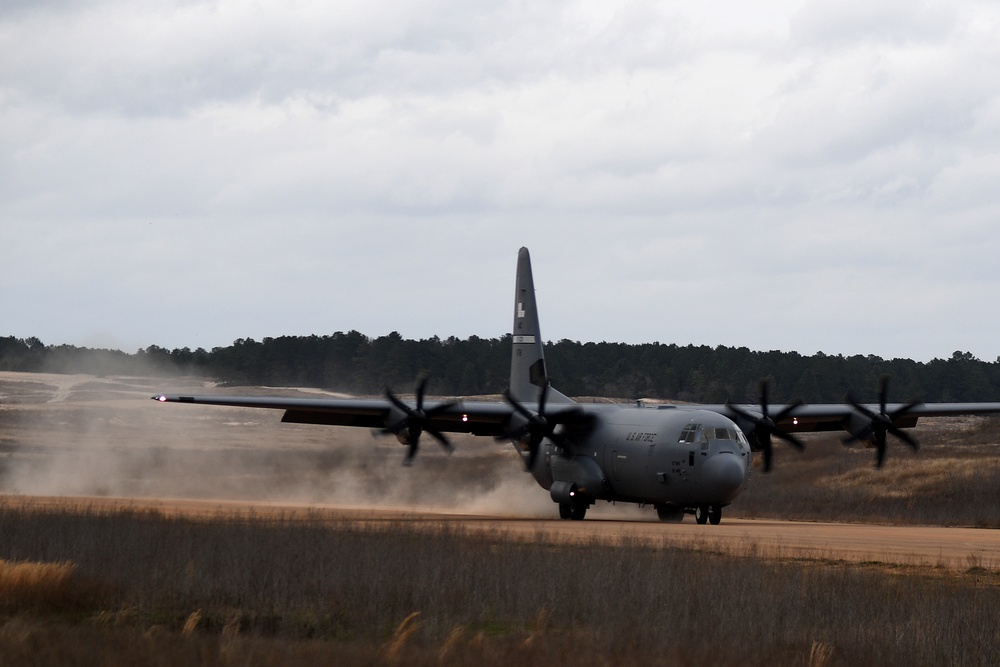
(101, 587)
(123, 586)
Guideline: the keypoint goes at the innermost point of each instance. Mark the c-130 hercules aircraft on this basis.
(683, 459)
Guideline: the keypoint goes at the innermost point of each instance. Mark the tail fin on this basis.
(527, 362)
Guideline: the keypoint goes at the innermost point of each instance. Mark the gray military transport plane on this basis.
(684, 459)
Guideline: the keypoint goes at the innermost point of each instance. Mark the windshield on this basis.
(695, 433)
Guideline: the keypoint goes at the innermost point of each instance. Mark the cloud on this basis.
(224, 169)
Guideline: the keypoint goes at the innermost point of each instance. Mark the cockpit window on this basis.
(688, 434)
(694, 433)
(722, 434)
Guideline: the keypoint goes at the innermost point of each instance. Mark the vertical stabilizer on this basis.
(527, 362)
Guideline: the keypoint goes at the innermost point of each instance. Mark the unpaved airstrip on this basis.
(94, 443)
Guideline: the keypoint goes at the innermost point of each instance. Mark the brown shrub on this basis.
(46, 588)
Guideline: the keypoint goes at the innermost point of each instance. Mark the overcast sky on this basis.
(809, 176)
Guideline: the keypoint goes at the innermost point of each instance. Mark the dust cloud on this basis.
(81, 435)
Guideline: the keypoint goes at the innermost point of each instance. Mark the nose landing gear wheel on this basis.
(574, 511)
(701, 514)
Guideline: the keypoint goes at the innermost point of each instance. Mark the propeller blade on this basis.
(441, 438)
(538, 426)
(792, 440)
(421, 390)
(906, 409)
(905, 437)
(882, 423)
(851, 438)
(848, 398)
(763, 398)
(406, 409)
(411, 453)
(741, 412)
(394, 429)
(523, 411)
(788, 409)
(880, 450)
(416, 420)
(764, 426)
(532, 458)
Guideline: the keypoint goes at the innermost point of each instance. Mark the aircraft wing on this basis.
(833, 416)
(475, 417)
(492, 418)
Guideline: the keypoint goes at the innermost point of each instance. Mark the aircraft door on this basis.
(617, 465)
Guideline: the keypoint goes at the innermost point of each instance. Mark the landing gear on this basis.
(708, 514)
(574, 511)
(670, 513)
(715, 514)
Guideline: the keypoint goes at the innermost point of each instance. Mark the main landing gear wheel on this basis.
(701, 514)
(574, 511)
(670, 513)
(715, 514)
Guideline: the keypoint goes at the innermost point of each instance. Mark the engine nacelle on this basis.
(586, 476)
(856, 423)
(564, 492)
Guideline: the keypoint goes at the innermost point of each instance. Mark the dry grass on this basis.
(47, 588)
(128, 587)
(244, 590)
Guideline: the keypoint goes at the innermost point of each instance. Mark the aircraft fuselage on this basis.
(673, 456)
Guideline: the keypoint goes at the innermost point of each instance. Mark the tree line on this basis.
(358, 364)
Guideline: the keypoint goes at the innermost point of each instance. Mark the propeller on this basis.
(415, 421)
(880, 424)
(537, 425)
(765, 426)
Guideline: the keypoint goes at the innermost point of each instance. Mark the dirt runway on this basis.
(952, 548)
(101, 443)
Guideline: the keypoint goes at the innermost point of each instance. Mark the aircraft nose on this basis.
(724, 475)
